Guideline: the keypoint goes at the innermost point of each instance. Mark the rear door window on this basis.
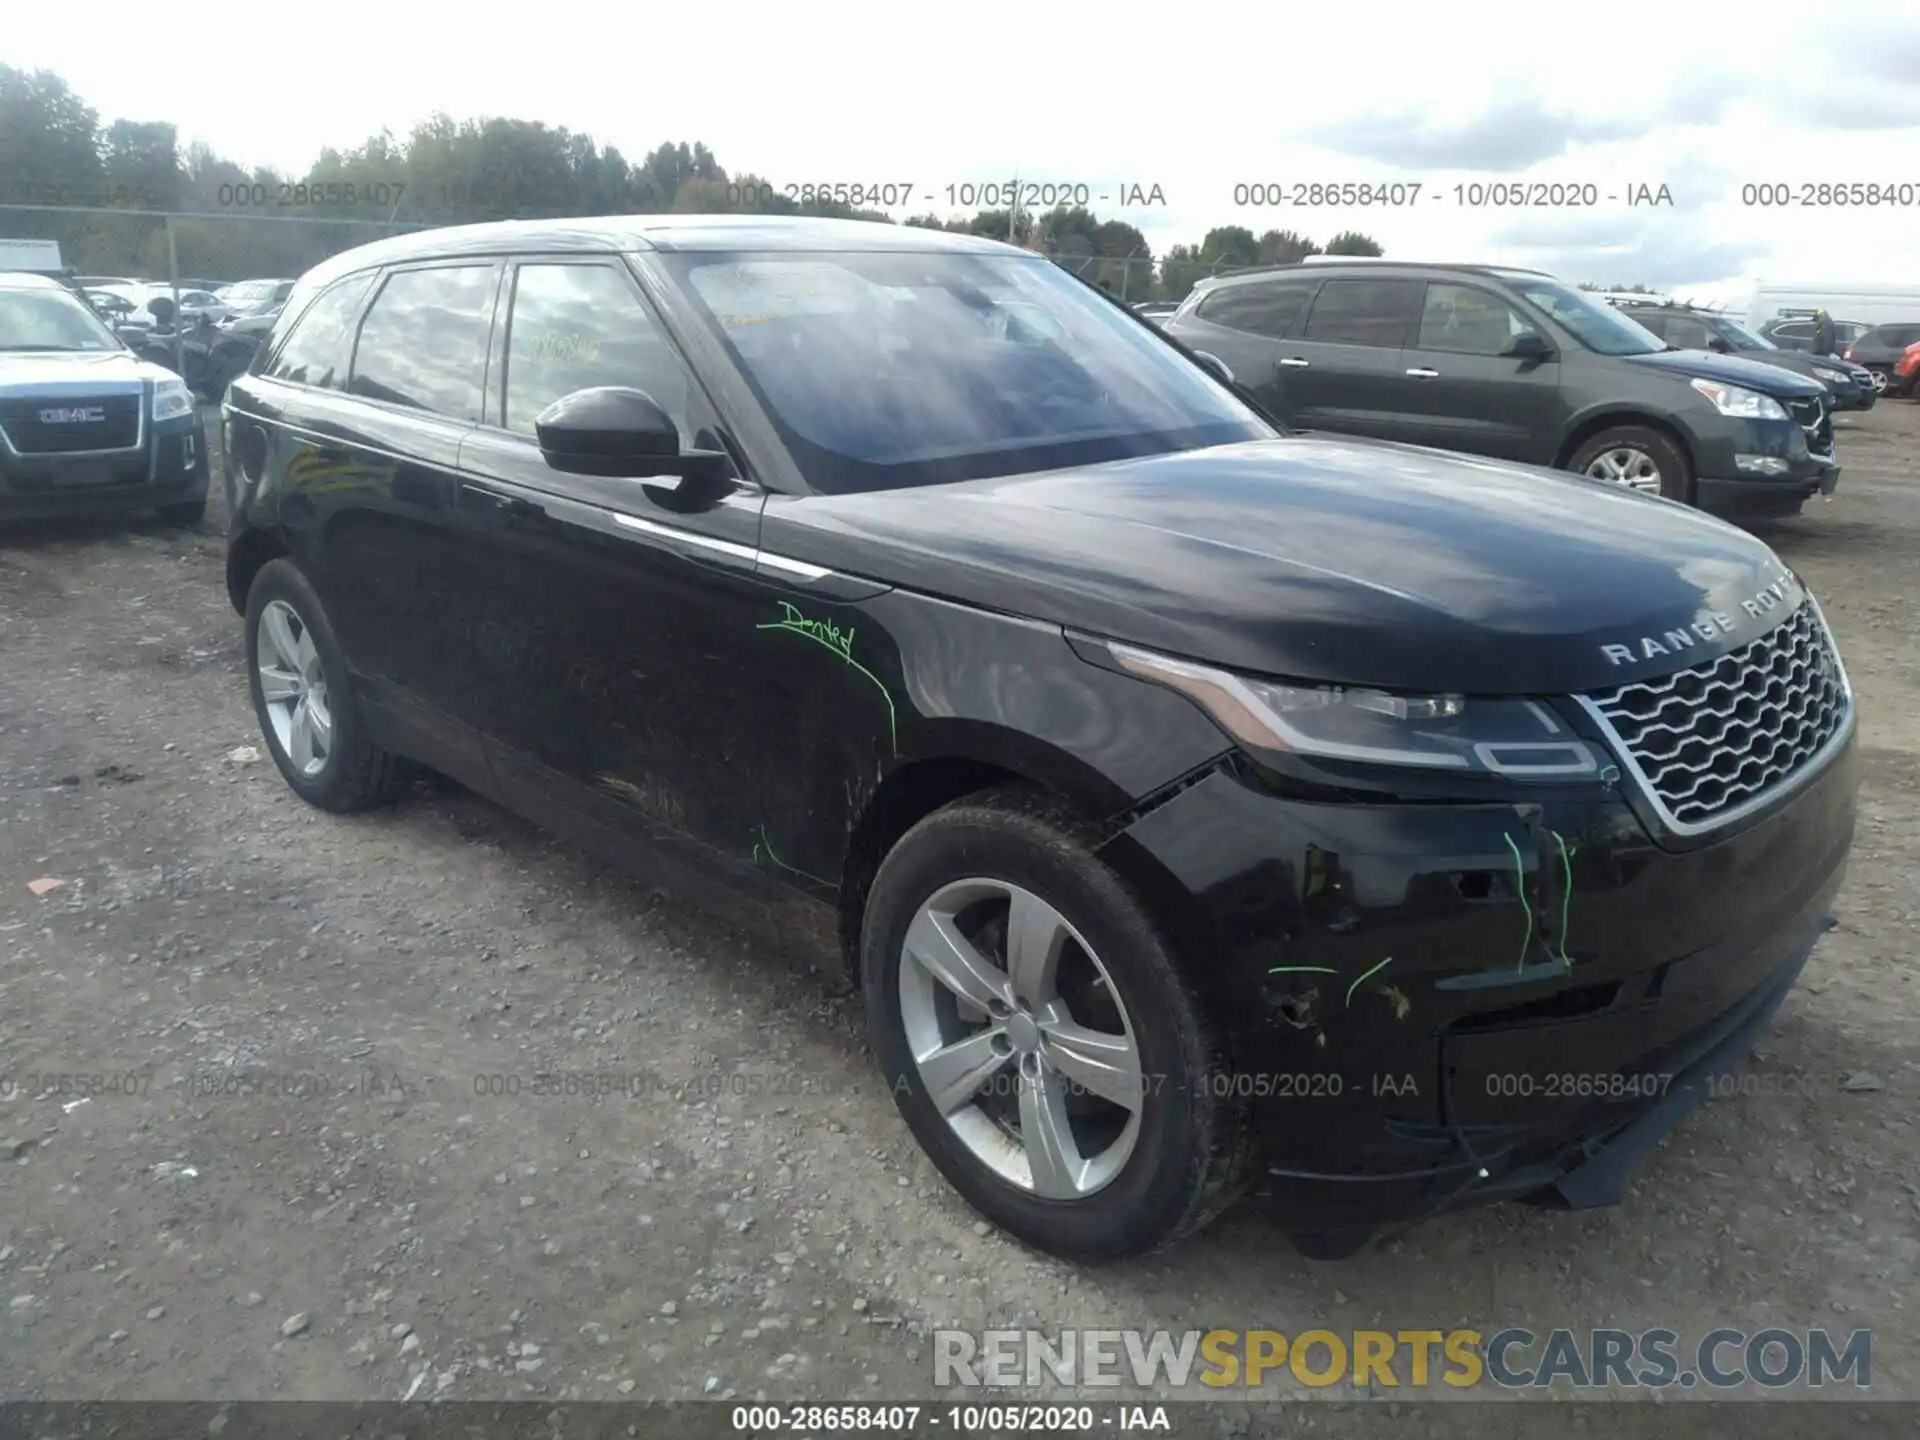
(1379, 313)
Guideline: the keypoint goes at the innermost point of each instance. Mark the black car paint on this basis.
(1536, 412)
(692, 691)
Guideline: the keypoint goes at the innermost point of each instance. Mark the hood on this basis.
(1798, 363)
(1322, 559)
(1706, 365)
(66, 369)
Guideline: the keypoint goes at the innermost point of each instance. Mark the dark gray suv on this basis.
(1515, 365)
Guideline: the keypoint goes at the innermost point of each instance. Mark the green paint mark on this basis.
(1566, 895)
(1369, 975)
(763, 846)
(1520, 888)
(840, 642)
(1301, 970)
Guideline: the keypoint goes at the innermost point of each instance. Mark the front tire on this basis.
(303, 698)
(1636, 457)
(1039, 1038)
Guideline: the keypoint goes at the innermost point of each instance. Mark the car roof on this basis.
(29, 280)
(1325, 269)
(674, 233)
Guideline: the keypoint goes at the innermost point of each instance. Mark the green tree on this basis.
(1352, 242)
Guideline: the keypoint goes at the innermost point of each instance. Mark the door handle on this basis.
(1421, 372)
(1294, 362)
(504, 506)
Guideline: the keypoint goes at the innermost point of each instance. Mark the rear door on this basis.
(393, 565)
(1346, 371)
(1244, 324)
(1466, 392)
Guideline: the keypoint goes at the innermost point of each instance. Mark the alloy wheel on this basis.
(293, 687)
(1625, 465)
(1879, 381)
(1021, 1039)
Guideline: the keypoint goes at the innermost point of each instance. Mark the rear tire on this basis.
(1637, 457)
(304, 702)
(1025, 1136)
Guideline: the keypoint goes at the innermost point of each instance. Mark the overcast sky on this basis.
(1704, 99)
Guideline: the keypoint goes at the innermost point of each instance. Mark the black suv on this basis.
(1880, 349)
(1515, 365)
(1189, 796)
(1794, 330)
(1852, 386)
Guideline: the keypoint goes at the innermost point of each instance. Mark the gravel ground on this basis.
(373, 1204)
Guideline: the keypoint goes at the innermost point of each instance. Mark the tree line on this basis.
(56, 151)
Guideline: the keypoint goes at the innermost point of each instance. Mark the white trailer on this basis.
(40, 256)
(1847, 302)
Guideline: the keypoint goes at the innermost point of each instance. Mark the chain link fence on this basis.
(201, 250)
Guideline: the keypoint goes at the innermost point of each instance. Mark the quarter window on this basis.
(1365, 312)
(1466, 320)
(424, 342)
(1268, 310)
(579, 326)
(315, 352)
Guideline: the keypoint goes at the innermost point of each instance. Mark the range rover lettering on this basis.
(1202, 807)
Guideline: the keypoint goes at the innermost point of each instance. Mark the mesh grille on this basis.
(1712, 738)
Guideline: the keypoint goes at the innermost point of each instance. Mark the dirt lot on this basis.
(396, 1214)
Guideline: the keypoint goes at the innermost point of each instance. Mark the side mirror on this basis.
(1720, 346)
(619, 432)
(1529, 345)
(1214, 363)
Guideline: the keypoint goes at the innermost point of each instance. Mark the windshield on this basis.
(1594, 323)
(886, 370)
(1744, 338)
(50, 320)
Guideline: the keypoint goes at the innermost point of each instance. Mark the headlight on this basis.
(1520, 739)
(171, 400)
(1742, 404)
(1832, 375)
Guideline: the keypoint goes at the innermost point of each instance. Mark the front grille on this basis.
(1816, 419)
(49, 426)
(1710, 741)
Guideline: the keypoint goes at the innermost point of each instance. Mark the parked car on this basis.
(1795, 332)
(1120, 735)
(193, 303)
(253, 297)
(1852, 386)
(1516, 365)
(1906, 371)
(1880, 349)
(85, 425)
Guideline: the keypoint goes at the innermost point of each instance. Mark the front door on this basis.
(1468, 393)
(1244, 324)
(622, 682)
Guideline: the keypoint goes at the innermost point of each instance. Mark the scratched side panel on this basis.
(856, 691)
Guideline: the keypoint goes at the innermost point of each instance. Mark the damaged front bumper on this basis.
(1433, 1005)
